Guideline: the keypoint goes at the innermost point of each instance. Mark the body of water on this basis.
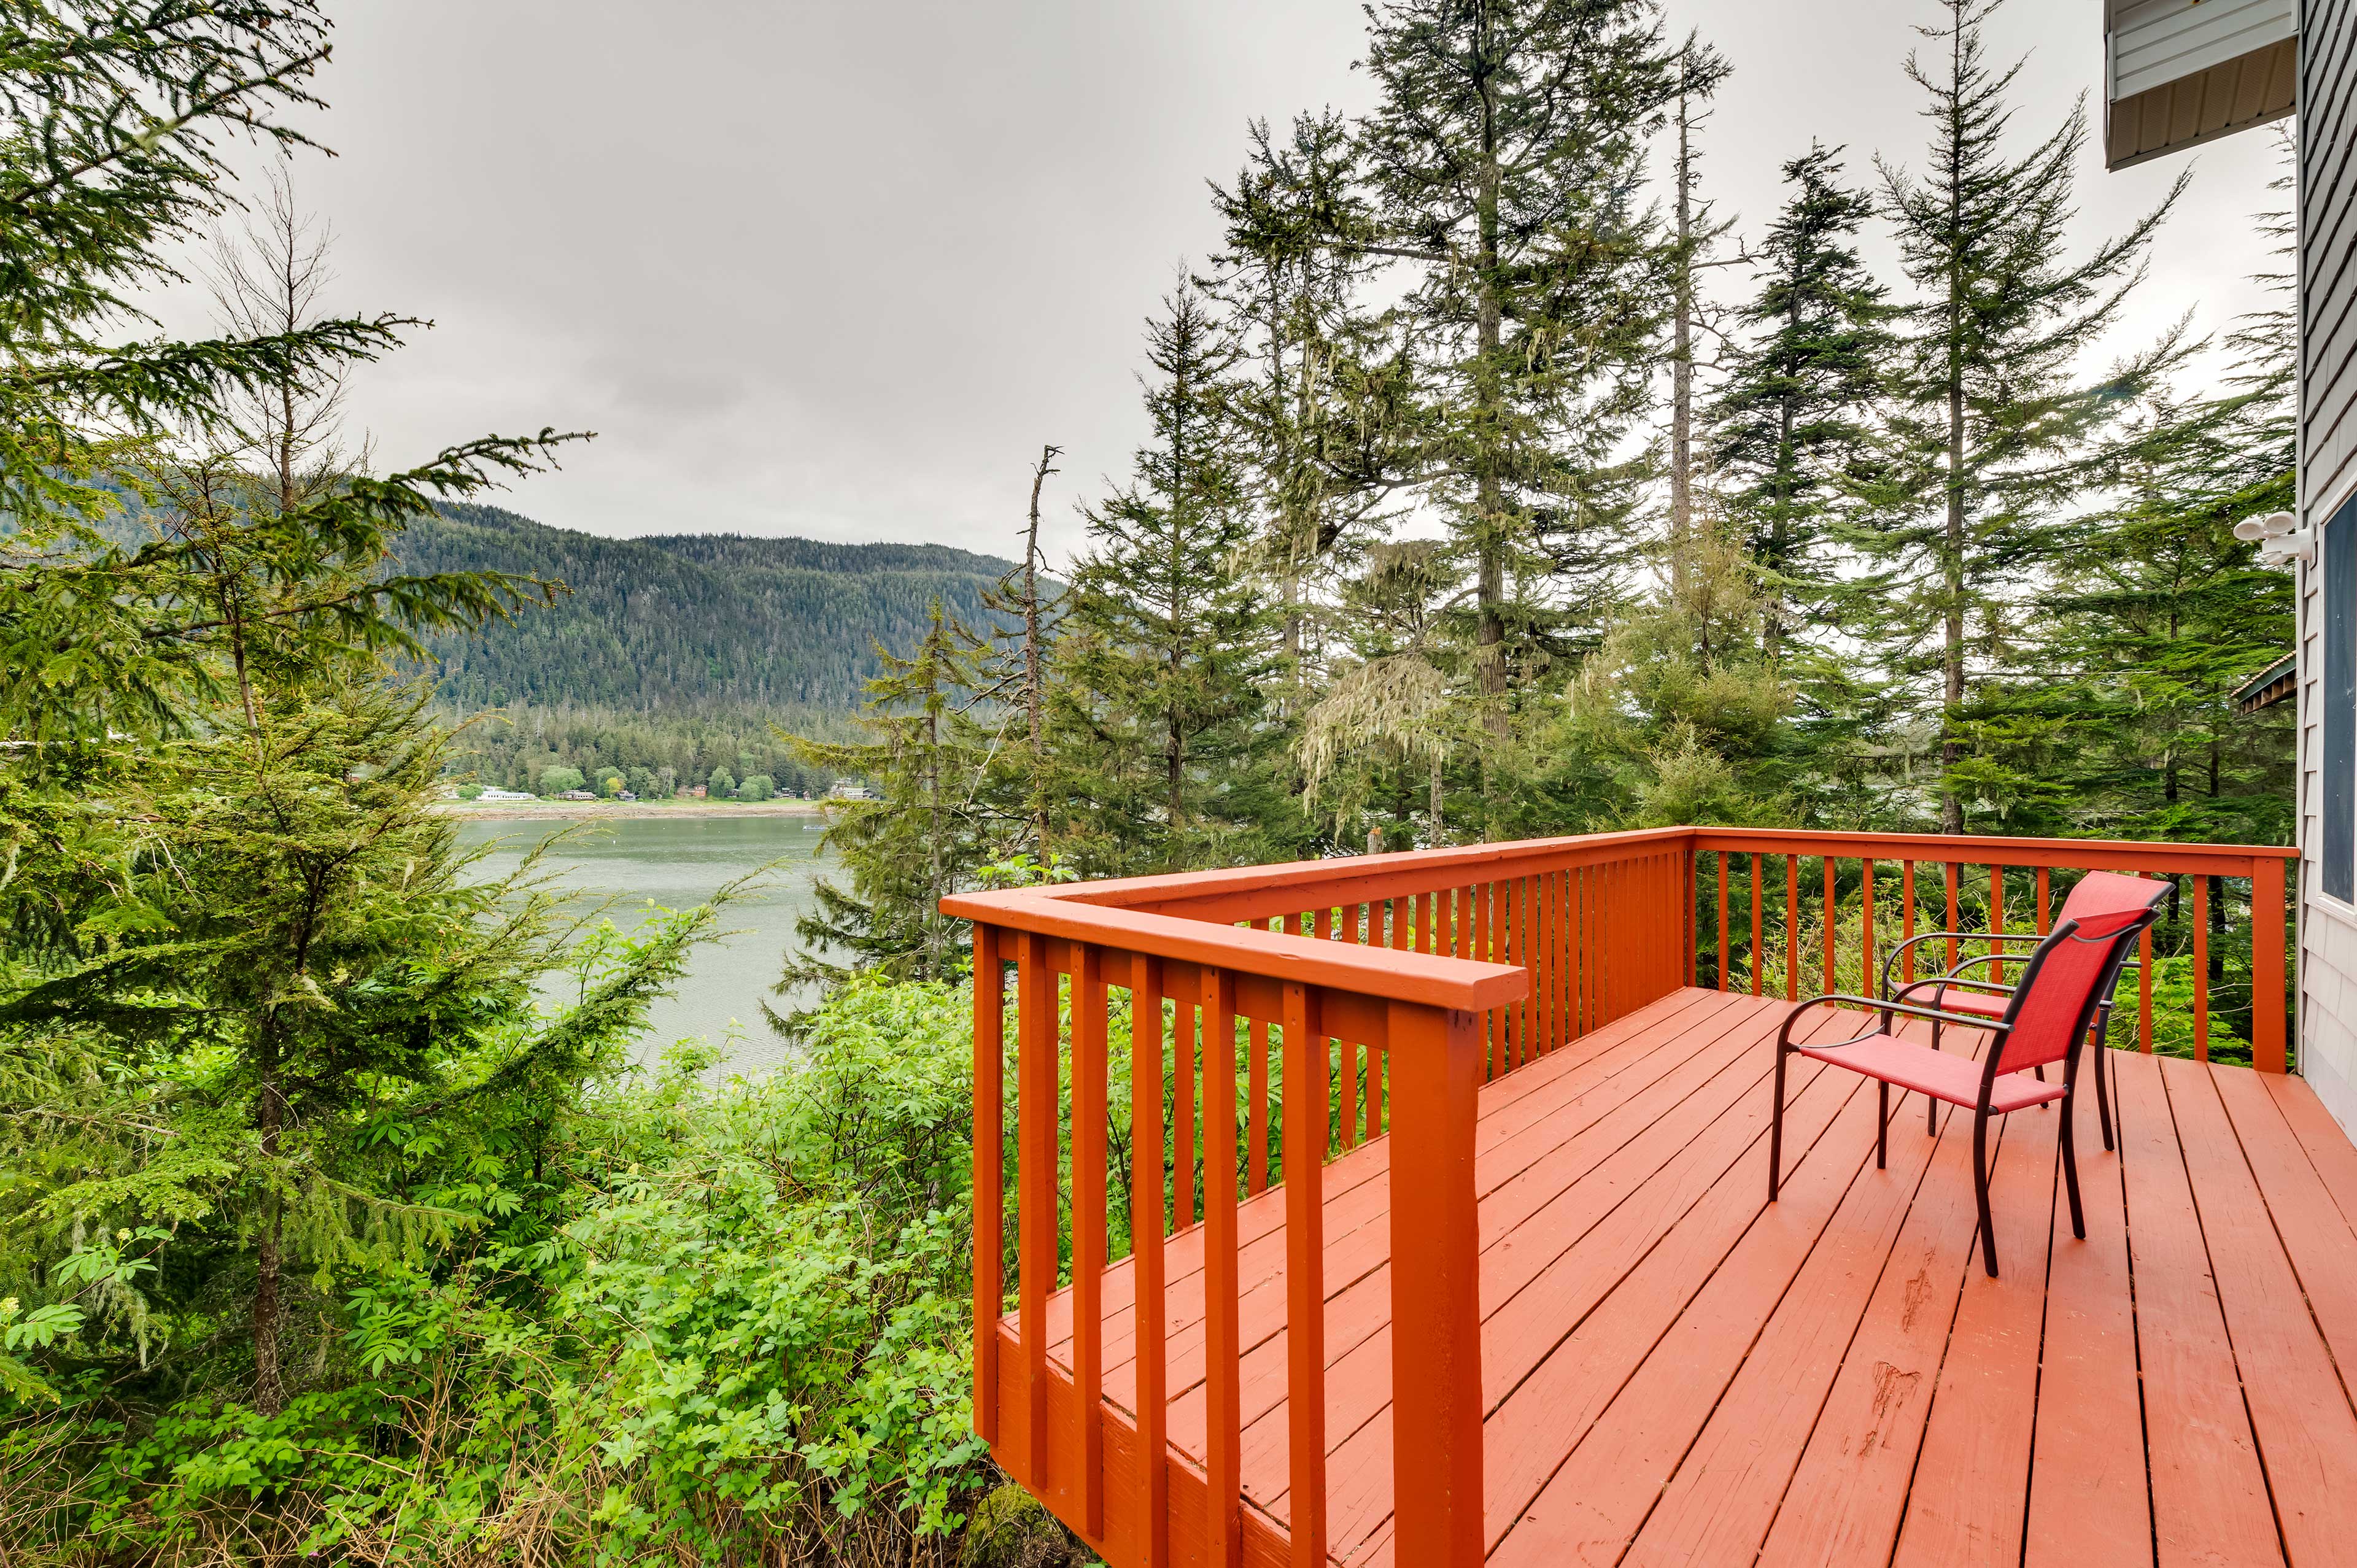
(678, 863)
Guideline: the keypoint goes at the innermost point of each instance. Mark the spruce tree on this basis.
(1508, 153)
(1701, 72)
(1792, 429)
(1995, 428)
(928, 822)
(1320, 400)
(1162, 761)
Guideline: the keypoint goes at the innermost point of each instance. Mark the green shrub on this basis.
(756, 787)
(740, 1336)
(558, 779)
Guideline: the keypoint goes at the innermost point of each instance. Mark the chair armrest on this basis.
(1886, 1008)
(1950, 982)
(1890, 960)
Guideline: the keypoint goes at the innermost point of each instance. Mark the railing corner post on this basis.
(2268, 965)
(1436, 1288)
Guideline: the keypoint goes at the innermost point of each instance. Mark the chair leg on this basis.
(1882, 1125)
(2071, 1170)
(1776, 1127)
(1980, 1187)
(2102, 1087)
(1931, 1106)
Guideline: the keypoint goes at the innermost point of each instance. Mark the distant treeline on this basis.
(511, 748)
(685, 624)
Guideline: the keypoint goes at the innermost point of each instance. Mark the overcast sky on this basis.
(838, 269)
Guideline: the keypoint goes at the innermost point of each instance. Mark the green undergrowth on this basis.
(739, 1333)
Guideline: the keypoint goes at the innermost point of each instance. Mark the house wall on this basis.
(2328, 211)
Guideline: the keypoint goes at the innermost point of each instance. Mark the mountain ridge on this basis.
(683, 622)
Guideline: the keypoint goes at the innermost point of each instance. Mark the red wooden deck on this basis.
(1676, 1371)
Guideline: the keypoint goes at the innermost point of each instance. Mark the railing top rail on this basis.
(1391, 973)
(1444, 867)
(2080, 854)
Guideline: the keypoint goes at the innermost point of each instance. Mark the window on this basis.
(2337, 854)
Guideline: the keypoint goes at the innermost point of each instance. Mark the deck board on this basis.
(1677, 1372)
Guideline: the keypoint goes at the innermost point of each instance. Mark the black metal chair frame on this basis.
(2000, 1029)
(1956, 980)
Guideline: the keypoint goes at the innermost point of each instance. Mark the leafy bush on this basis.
(756, 787)
(558, 779)
(739, 1334)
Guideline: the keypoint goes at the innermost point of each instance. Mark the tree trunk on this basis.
(934, 891)
(1033, 679)
(1490, 501)
(269, 1310)
(1952, 746)
(1682, 372)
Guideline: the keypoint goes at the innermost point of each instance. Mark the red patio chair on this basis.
(2046, 1018)
(1961, 991)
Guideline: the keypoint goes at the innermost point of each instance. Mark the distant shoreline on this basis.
(600, 811)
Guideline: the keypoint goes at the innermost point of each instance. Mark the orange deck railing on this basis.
(1265, 1018)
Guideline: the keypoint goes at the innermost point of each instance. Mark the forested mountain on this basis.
(677, 623)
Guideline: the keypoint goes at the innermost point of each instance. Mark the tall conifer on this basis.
(1165, 644)
(1791, 429)
(1321, 396)
(1508, 152)
(1995, 427)
(931, 816)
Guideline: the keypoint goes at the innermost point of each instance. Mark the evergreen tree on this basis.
(934, 815)
(1163, 761)
(287, 983)
(1508, 155)
(1792, 429)
(1322, 399)
(2157, 614)
(1701, 72)
(1995, 430)
(100, 634)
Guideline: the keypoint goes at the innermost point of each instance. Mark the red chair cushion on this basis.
(1942, 1075)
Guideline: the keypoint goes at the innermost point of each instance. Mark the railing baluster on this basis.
(1792, 928)
(1907, 920)
(1182, 1113)
(1145, 1251)
(1758, 871)
(1256, 1107)
(1089, 1047)
(1954, 922)
(1035, 1173)
(2269, 1052)
(1829, 985)
(1493, 1021)
(1682, 880)
(1305, 1280)
(2144, 986)
(1866, 959)
(1996, 918)
(2200, 968)
(2045, 920)
(1548, 906)
(990, 1176)
(1583, 951)
(1221, 1335)
(1720, 856)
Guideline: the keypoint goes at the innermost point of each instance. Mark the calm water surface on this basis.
(677, 863)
